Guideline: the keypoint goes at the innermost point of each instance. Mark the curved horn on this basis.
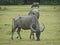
(32, 28)
(43, 28)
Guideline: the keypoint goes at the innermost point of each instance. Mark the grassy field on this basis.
(49, 15)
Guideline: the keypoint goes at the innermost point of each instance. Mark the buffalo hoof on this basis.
(18, 37)
(11, 38)
(38, 40)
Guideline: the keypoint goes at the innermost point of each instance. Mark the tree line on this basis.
(19, 2)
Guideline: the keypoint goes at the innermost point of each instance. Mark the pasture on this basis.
(49, 15)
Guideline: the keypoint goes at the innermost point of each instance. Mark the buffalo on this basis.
(34, 11)
(27, 22)
(35, 4)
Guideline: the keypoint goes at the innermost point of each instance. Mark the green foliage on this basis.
(18, 2)
(54, 2)
(49, 15)
(11, 2)
(3, 8)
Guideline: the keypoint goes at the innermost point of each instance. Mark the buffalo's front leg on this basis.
(38, 35)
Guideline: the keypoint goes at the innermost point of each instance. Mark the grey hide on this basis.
(34, 11)
(27, 22)
(35, 4)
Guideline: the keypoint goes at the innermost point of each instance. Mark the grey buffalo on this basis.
(35, 4)
(27, 22)
(34, 11)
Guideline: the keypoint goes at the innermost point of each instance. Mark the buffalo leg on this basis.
(32, 34)
(32, 27)
(38, 33)
(13, 30)
(18, 32)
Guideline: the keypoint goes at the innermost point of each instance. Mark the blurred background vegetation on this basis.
(19, 2)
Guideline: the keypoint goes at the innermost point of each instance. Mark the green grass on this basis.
(49, 15)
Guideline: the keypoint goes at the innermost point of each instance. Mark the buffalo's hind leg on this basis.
(13, 30)
(18, 32)
(32, 35)
(32, 27)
